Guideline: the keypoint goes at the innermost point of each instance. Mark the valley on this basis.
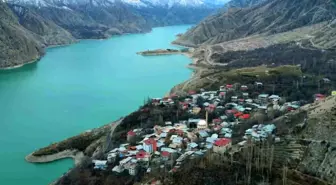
(258, 109)
(44, 23)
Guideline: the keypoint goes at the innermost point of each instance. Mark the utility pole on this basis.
(319, 85)
(297, 84)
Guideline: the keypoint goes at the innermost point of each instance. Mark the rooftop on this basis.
(222, 142)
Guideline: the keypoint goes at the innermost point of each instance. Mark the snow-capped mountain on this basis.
(136, 3)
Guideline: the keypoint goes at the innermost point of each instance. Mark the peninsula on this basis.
(163, 52)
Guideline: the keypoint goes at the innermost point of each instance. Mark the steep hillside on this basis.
(326, 36)
(17, 45)
(163, 16)
(101, 19)
(270, 17)
(242, 3)
(45, 31)
(315, 130)
(87, 19)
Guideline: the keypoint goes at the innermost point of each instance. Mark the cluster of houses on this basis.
(261, 132)
(170, 145)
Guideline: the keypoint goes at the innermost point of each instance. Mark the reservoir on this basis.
(76, 88)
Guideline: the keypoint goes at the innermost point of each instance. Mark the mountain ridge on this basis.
(266, 17)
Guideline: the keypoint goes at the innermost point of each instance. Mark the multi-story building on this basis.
(150, 145)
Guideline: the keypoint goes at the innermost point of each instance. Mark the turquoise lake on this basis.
(76, 88)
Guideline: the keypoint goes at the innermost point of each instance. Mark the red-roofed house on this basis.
(184, 105)
(218, 127)
(222, 94)
(222, 145)
(173, 170)
(179, 132)
(150, 145)
(211, 108)
(216, 120)
(165, 155)
(238, 114)
(142, 155)
(131, 133)
(156, 182)
(319, 97)
(192, 92)
(229, 86)
(131, 136)
(245, 116)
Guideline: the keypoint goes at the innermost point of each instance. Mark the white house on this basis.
(133, 169)
(100, 164)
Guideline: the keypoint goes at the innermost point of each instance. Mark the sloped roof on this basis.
(222, 142)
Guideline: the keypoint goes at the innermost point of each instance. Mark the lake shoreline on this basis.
(62, 45)
(38, 58)
(76, 155)
(20, 65)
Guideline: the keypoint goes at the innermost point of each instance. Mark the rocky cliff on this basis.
(270, 17)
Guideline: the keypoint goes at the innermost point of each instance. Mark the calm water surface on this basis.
(76, 88)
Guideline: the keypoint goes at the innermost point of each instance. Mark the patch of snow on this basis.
(137, 3)
(66, 8)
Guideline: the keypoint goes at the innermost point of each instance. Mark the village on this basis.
(170, 145)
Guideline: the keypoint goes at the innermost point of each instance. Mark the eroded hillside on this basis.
(267, 18)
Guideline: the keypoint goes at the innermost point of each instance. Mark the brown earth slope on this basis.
(274, 16)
